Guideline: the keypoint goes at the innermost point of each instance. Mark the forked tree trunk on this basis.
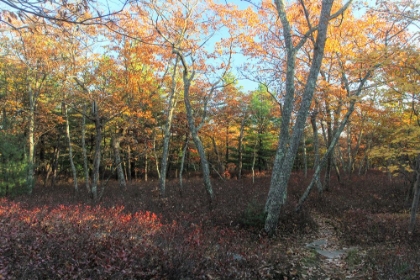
(288, 146)
(187, 79)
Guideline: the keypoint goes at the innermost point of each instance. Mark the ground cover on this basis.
(134, 234)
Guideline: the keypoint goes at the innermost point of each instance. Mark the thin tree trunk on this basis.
(156, 156)
(97, 155)
(187, 79)
(31, 142)
(116, 140)
(415, 204)
(316, 147)
(85, 159)
(336, 136)
(240, 154)
(219, 160)
(129, 163)
(167, 131)
(73, 168)
(349, 155)
(181, 168)
(305, 160)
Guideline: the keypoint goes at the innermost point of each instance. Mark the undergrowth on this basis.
(134, 234)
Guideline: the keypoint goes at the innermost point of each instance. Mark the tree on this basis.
(288, 145)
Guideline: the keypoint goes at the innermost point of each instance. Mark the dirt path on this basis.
(322, 255)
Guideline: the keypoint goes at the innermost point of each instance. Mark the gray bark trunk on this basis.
(287, 150)
(116, 140)
(187, 78)
(240, 155)
(167, 132)
(73, 168)
(85, 159)
(181, 168)
(97, 155)
(415, 203)
(336, 136)
(316, 148)
(31, 141)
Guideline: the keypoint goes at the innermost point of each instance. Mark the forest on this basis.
(194, 139)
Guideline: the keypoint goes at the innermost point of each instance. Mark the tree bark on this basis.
(73, 168)
(316, 148)
(336, 136)
(240, 154)
(287, 149)
(116, 140)
(85, 159)
(415, 203)
(31, 142)
(167, 131)
(187, 79)
(97, 155)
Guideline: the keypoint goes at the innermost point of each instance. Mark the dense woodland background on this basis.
(152, 95)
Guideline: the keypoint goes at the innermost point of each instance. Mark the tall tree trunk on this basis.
(73, 168)
(97, 155)
(167, 131)
(187, 79)
(287, 149)
(240, 154)
(31, 142)
(415, 204)
(85, 159)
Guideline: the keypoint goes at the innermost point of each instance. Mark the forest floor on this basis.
(356, 230)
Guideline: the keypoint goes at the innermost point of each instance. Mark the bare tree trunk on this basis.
(146, 167)
(31, 142)
(349, 155)
(415, 204)
(336, 136)
(219, 160)
(85, 159)
(287, 149)
(129, 163)
(305, 159)
(316, 147)
(167, 131)
(181, 168)
(240, 155)
(116, 140)
(187, 79)
(97, 155)
(156, 156)
(73, 168)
